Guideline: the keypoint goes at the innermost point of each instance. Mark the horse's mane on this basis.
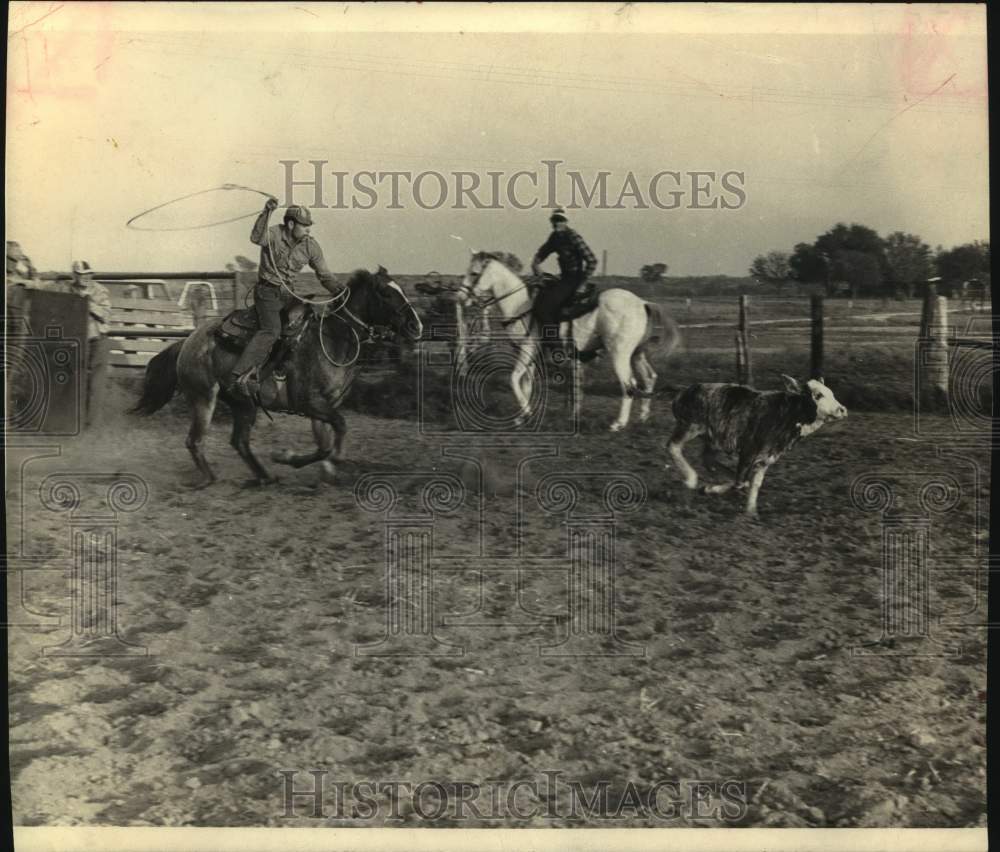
(506, 258)
(360, 276)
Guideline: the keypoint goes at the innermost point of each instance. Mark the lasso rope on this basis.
(224, 187)
(338, 301)
(322, 345)
(342, 296)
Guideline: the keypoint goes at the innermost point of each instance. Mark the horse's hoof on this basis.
(202, 484)
(327, 472)
(616, 427)
(282, 456)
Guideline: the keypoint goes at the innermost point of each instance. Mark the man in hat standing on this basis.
(576, 264)
(98, 346)
(285, 249)
(19, 266)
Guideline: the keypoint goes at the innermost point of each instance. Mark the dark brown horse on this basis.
(310, 379)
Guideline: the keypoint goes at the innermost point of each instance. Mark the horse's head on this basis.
(474, 285)
(387, 305)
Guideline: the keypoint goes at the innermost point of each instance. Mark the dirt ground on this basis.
(250, 604)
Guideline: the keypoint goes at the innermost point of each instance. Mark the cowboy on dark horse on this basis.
(284, 250)
(576, 264)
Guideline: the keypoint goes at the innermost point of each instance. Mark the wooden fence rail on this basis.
(142, 327)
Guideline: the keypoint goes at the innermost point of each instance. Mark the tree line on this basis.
(854, 260)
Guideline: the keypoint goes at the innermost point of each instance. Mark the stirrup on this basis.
(246, 385)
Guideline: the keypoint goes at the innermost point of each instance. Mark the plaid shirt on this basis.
(289, 256)
(575, 256)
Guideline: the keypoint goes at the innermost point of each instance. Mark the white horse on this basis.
(622, 323)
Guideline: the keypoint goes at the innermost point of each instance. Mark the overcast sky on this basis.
(881, 120)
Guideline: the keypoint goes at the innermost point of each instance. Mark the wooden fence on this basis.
(142, 327)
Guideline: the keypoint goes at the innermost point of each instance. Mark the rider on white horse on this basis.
(576, 264)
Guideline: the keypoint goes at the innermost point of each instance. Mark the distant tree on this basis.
(653, 273)
(772, 268)
(909, 261)
(859, 269)
(842, 239)
(961, 263)
(852, 238)
(835, 257)
(807, 264)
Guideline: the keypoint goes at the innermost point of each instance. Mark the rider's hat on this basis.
(298, 214)
(558, 215)
(81, 267)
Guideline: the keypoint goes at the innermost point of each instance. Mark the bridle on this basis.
(372, 333)
(468, 289)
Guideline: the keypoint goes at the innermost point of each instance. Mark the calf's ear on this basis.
(791, 385)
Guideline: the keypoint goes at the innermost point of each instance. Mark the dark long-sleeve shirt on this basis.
(575, 256)
(289, 256)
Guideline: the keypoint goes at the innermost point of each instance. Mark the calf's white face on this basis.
(827, 407)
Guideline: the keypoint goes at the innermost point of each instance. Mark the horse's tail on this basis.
(160, 382)
(664, 332)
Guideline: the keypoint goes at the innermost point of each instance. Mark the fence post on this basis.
(459, 333)
(199, 305)
(816, 371)
(927, 311)
(740, 367)
(744, 367)
(938, 351)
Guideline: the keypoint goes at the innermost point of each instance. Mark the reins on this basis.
(371, 335)
(496, 299)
